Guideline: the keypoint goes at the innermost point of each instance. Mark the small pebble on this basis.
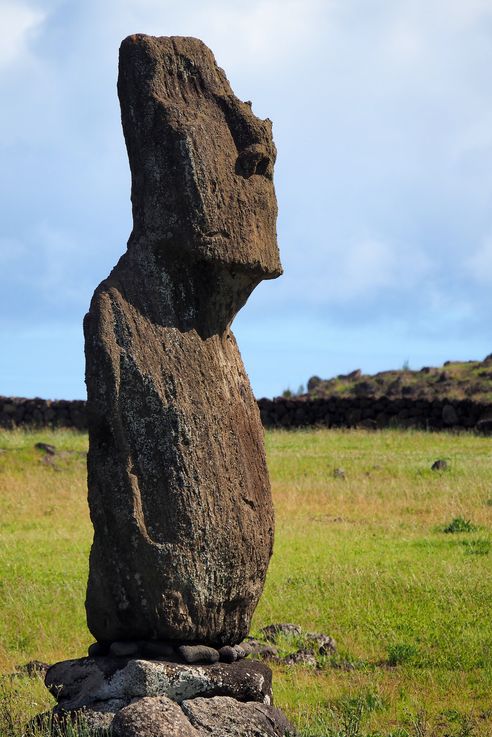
(247, 646)
(227, 654)
(303, 657)
(252, 646)
(199, 653)
(240, 652)
(339, 473)
(267, 652)
(122, 649)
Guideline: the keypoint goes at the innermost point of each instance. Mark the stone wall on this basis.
(285, 413)
(20, 412)
(375, 413)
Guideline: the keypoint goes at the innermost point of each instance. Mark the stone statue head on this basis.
(201, 161)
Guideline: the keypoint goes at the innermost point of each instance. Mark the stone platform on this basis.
(134, 697)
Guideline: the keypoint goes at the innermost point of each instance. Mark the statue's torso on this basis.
(194, 500)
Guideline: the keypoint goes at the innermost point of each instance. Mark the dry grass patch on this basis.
(361, 556)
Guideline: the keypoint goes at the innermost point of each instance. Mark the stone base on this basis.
(125, 697)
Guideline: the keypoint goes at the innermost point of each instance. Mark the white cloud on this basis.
(19, 23)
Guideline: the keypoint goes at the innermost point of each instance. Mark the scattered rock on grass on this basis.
(440, 465)
(33, 668)
(302, 656)
(50, 449)
(273, 631)
(339, 473)
(326, 645)
(259, 649)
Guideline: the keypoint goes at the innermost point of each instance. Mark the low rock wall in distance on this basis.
(21, 412)
(375, 413)
(285, 413)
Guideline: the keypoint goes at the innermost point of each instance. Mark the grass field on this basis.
(364, 558)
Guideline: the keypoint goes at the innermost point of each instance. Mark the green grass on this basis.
(363, 558)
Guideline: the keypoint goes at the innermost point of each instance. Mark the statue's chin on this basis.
(223, 252)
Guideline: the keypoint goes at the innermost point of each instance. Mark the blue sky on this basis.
(382, 113)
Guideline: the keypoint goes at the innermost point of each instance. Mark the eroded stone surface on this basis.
(78, 683)
(221, 716)
(153, 716)
(198, 654)
(228, 654)
(178, 486)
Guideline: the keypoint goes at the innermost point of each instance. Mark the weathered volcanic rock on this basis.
(178, 486)
(88, 681)
(152, 716)
(222, 716)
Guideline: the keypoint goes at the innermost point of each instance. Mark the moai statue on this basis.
(178, 485)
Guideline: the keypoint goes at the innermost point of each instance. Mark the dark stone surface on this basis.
(440, 465)
(83, 682)
(178, 485)
(377, 413)
(449, 415)
(156, 649)
(50, 449)
(228, 654)
(224, 717)
(97, 649)
(152, 716)
(198, 654)
(123, 649)
(159, 716)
